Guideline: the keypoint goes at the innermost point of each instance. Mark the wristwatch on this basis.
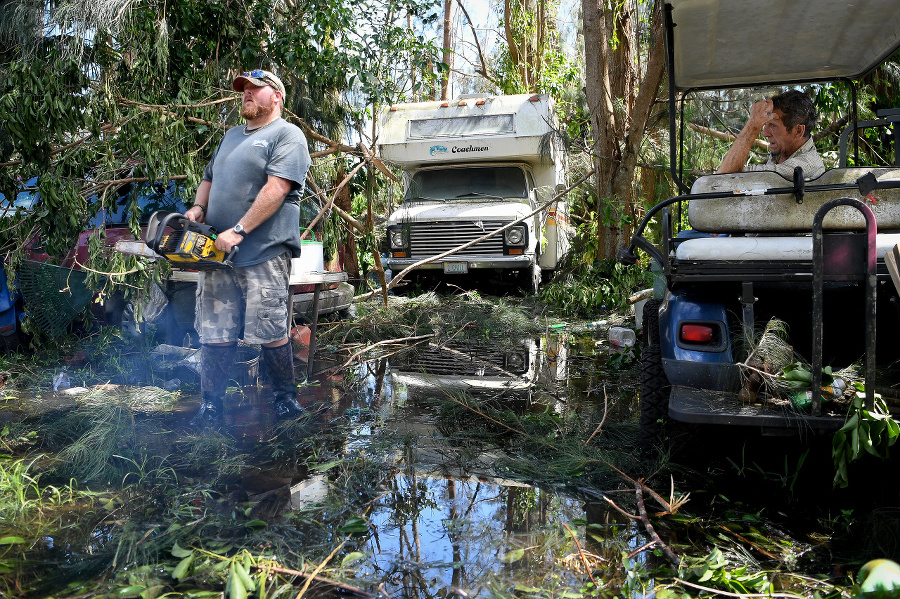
(239, 229)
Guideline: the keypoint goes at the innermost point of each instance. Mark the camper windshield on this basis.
(494, 182)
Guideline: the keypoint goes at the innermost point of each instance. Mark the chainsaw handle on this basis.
(155, 228)
(230, 257)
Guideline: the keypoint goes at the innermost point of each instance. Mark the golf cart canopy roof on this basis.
(741, 43)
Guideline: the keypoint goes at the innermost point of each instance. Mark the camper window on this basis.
(491, 124)
(496, 182)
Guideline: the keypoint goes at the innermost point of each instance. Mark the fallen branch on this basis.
(749, 542)
(757, 143)
(669, 508)
(587, 566)
(515, 430)
(613, 505)
(385, 342)
(741, 595)
(642, 548)
(318, 569)
(337, 190)
(642, 510)
(640, 295)
(334, 583)
(379, 164)
(602, 420)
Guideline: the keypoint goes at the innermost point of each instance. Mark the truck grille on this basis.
(466, 360)
(429, 239)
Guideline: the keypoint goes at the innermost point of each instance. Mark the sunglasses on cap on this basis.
(260, 74)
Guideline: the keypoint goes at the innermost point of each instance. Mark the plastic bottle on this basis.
(803, 399)
(622, 337)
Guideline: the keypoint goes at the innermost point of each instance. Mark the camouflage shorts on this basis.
(252, 298)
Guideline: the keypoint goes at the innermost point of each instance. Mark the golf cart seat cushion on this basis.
(798, 248)
(781, 212)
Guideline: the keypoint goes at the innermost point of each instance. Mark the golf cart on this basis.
(807, 253)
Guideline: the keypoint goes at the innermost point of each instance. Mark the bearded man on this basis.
(250, 192)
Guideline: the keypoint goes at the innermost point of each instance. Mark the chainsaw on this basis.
(187, 244)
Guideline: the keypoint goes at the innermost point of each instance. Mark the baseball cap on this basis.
(258, 78)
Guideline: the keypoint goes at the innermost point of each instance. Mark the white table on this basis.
(318, 279)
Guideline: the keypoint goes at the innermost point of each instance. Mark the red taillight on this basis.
(697, 333)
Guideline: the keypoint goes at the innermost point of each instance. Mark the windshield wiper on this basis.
(479, 194)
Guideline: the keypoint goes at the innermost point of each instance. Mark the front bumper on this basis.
(702, 406)
(330, 300)
(474, 262)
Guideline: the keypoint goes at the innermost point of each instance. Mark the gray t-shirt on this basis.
(240, 168)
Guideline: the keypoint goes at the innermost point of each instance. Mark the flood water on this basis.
(471, 468)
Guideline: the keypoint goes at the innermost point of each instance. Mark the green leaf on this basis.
(326, 466)
(512, 556)
(180, 552)
(183, 566)
(352, 558)
(355, 524)
(153, 592)
(11, 540)
(256, 524)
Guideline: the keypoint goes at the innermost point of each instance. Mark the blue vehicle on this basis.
(809, 253)
(12, 310)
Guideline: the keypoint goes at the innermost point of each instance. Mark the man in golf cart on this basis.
(786, 121)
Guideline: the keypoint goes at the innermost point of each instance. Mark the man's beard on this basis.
(254, 110)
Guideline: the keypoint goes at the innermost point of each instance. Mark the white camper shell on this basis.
(471, 166)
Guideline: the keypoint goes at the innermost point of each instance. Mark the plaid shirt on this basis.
(805, 157)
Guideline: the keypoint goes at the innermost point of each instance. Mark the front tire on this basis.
(655, 385)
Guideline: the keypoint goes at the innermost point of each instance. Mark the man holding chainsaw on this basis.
(250, 192)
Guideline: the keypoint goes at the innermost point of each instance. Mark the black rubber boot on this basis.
(216, 364)
(279, 363)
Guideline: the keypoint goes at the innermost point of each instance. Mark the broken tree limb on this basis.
(379, 164)
(587, 566)
(298, 574)
(328, 206)
(602, 420)
(741, 595)
(416, 338)
(613, 505)
(485, 416)
(642, 510)
(318, 569)
(669, 508)
(640, 295)
(321, 138)
(348, 218)
(757, 143)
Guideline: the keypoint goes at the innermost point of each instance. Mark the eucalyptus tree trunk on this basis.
(448, 54)
(619, 104)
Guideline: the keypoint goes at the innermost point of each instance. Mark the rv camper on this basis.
(471, 167)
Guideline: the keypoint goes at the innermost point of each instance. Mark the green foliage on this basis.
(137, 91)
(590, 289)
(714, 571)
(865, 431)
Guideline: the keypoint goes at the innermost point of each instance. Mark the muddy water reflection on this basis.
(449, 517)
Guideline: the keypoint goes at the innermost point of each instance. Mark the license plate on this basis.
(456, 268)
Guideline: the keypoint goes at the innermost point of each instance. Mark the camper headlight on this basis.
(515, 362)
(396, 237)
(515, 236)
